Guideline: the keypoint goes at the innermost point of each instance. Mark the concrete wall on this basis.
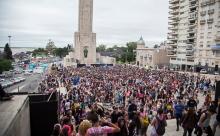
(20, 125)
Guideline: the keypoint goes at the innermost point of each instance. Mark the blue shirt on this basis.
(179, 108)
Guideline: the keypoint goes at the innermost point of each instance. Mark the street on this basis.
(30, 85)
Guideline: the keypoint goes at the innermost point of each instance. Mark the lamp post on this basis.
(9, 39)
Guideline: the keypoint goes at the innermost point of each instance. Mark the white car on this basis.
(216, 73)
(27, 73)
(203, 71)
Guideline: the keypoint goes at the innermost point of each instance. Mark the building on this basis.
(85, 39)
(104, 59)
(182, 33)
(207, 53)
(150, 57)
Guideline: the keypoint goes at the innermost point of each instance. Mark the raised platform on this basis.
(15, 116)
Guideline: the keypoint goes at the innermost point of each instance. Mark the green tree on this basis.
(101, 48)
(50, 46)
(131, 47)
(61, 52)
(5, 65)
(7, 52)
(39, 51)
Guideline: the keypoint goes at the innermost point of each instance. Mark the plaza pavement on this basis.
(171, 124)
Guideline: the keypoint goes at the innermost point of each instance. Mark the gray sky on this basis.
(33, 22)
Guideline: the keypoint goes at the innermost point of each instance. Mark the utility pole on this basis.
(9, 40)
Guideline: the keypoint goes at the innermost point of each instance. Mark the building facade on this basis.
(207, 53)
(150, 57)
(194, 32)
(182, 33)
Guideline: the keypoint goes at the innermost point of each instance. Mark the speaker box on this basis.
(217, 90)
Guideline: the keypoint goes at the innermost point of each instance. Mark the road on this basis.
(30, 85)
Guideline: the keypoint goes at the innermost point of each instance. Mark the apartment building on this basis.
(207, 53)
(182, 33)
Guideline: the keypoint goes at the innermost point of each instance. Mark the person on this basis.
(204, 122)
(122, 124)
(158, 124)
(134, 125)
(144, 122)
(83, 127)
(179, 108)
(56, 130)
(67, 129)
(189, 122)
(98, 130)
(131, 109)
(4, 95)
(191, 103)
(217, 119)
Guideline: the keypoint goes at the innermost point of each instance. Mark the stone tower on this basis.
(85, 39)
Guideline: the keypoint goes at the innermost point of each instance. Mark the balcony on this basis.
(202, 22)
(190, 31)
(189, 47)
(203, 4)
(174, 12)
(209, 21)
(173, 28)
(193, 5)
(172, 44)
(211, 11)
(191, 37)
(192, 25)
(189, 53)
(172, 38)
(202, 13)
(217, 38)
(174, 18)
(173, 1)
(171, 53)
(175, 6)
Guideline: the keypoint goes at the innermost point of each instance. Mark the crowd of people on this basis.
(124, 100)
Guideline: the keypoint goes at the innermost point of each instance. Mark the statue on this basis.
(85, 52)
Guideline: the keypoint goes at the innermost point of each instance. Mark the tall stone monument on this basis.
(85, 39)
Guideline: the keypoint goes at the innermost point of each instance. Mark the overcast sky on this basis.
(33, 22)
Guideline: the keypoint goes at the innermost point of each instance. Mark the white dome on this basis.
(141, 41)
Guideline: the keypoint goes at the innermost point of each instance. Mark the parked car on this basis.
(21, 78)
(1, 79)
(27, 73)
(216, 73)
(203, 71)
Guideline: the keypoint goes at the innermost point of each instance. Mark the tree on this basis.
(5, 65)
(50, 46)
(39, 51)
(101, 48)
(7, 52)
(61, 52)
(156, 46)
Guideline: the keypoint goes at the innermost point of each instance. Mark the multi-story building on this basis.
(182, 33)
(150, 57)
(207, 54)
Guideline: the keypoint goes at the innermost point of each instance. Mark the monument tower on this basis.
(85, 39)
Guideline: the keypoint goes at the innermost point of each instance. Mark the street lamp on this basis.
(9, 39)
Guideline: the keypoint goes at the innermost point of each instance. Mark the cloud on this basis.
(32, 22)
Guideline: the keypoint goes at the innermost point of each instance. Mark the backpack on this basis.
(161, 127)
(144, 121)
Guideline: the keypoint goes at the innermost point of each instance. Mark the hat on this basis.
(212, 109)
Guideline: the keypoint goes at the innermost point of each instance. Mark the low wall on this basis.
(17, 123)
